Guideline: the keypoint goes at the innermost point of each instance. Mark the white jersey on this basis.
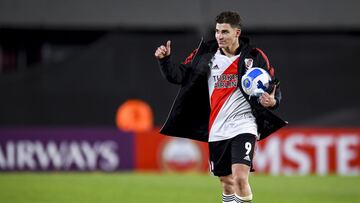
(230, 112)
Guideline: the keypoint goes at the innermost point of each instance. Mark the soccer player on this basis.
(212, 107)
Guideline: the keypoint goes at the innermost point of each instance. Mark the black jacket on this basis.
(189, 115)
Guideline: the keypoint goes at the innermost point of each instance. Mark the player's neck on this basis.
(231, 50)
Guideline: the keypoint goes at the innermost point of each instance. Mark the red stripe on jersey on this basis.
(220, 95)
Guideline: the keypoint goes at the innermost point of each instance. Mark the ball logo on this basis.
(181, 155)
(247, 83)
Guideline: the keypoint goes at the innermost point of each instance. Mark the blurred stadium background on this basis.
(81, 92)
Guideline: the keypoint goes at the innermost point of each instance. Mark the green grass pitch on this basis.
(169, 188)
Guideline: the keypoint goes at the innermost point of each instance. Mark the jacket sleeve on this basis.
(262, 61)
(176, 73)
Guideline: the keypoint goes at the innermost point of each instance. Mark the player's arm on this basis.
(272, 98)
(174, 74)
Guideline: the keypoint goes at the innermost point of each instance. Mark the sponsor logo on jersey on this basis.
(215, 67)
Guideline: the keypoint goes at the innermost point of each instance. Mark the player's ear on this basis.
(238, 32)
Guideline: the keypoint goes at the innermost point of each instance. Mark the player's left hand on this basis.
(268, 100)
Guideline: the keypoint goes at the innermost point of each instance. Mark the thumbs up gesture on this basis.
(163, 51)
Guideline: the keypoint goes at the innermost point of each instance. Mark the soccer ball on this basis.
(255, 81)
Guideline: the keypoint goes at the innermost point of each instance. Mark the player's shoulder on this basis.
(259, 55)
(257, 51)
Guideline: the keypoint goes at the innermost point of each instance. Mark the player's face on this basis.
(226, 36)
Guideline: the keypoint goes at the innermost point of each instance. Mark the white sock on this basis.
(239, 199)
(228, 198)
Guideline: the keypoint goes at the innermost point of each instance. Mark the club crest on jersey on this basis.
(249, 62)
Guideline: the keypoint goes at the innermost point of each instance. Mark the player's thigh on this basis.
(240, 172)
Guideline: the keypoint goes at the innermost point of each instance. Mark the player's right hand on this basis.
(163, 51)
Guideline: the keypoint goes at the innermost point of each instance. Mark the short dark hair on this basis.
(229, 17)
